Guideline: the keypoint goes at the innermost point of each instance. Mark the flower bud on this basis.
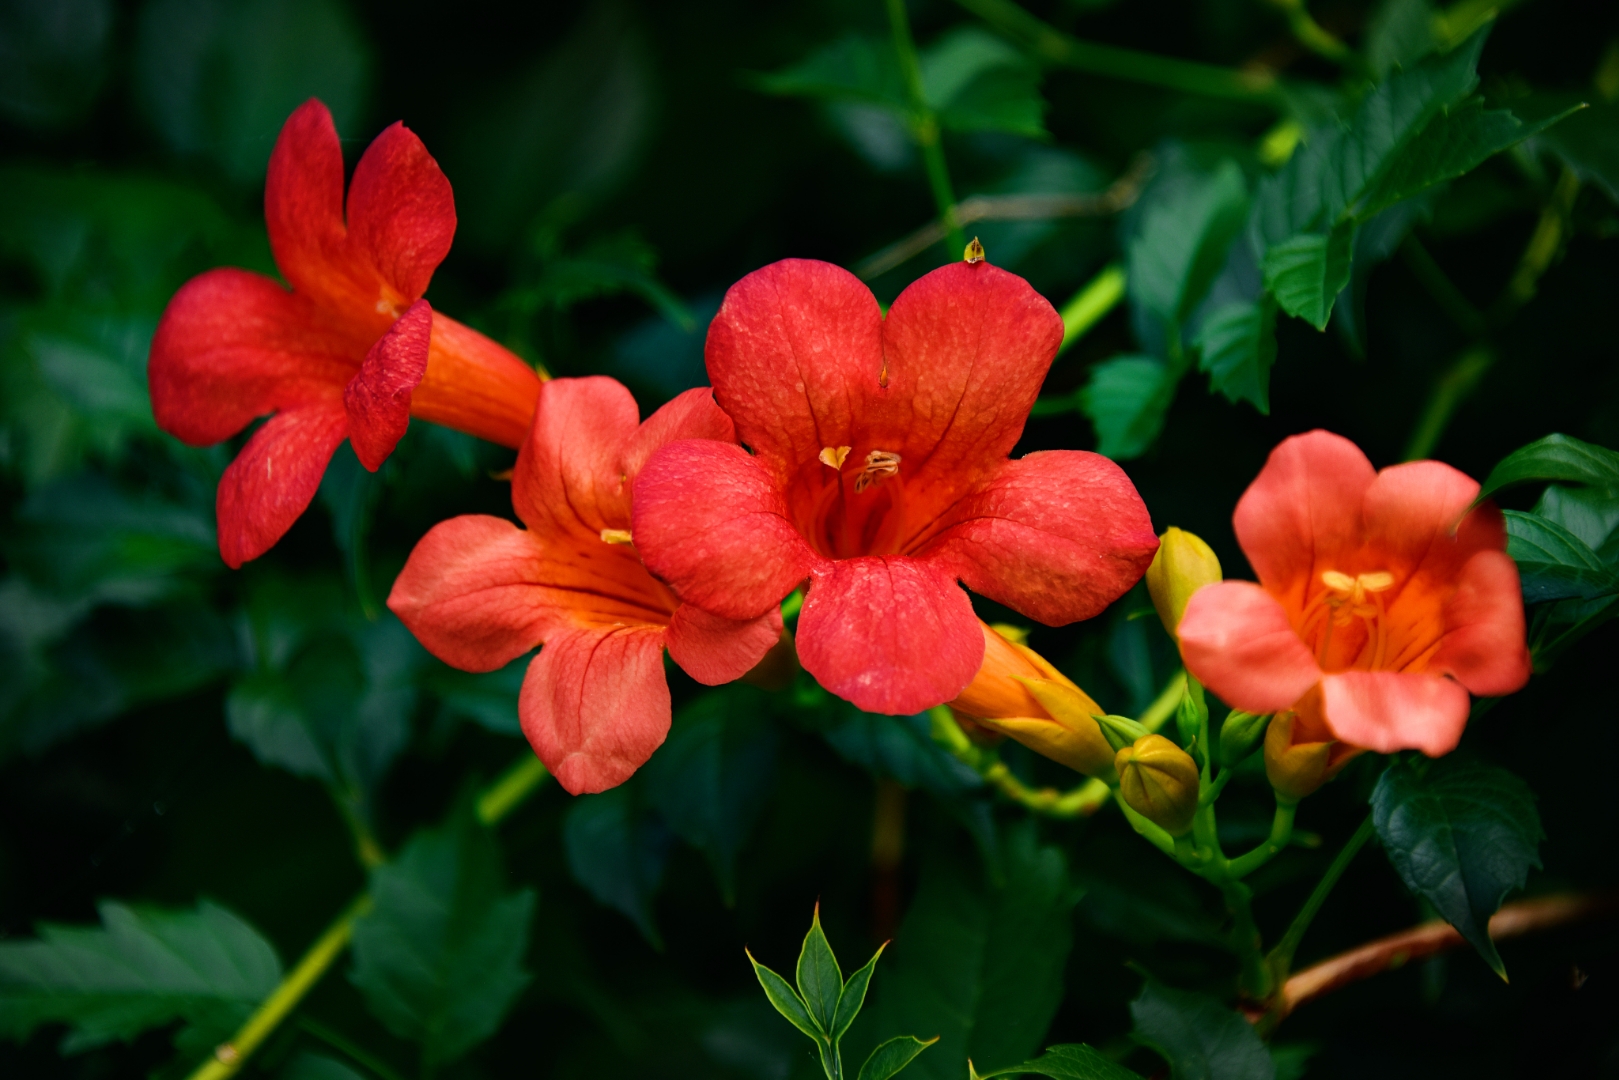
(1240, 736)
(1159, 781)
(1300, 752)
(1183, 565)
(1191, 713)
(1018, 693)
(1121, 731)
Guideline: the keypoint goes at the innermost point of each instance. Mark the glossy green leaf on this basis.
(142, 968)
(710, 778)
(617, 851)
(1591, 514)
(786, 1000)
(1238, 344)
(891, 1057)
(820, 982)
(439, 958)
(1126, 400)
(1071, 1061)
(1307, 272)
(1556, 457)
(1182, 241)
(1201, 1038)
(979, 964)
(1461, 834)
(1554, 563)
(853, 996)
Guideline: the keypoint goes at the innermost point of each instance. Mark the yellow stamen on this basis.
(617, 536)
(834, 456)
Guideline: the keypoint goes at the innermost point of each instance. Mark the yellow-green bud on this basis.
(1294, 769)
(1159, 781)
(1241, 735)
(1120, 731)
(1192, 712)
(1183, 565)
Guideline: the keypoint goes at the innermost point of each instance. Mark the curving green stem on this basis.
(925, 124)
(1281, 831)
(1281, 957)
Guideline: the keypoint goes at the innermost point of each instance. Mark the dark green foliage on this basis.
(1071, 1062)
(1462, 834)
(617, 851)
(1201, 1038)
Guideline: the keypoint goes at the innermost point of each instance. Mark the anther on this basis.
(617, 536)
(880, 464)
(833, 456)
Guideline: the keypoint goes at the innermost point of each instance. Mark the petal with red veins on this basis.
(567, 479)
(691, 415)
(891, 634)
(473, 592)
(1056, 536)
(401, 212)
(377, 399)
(710, 522)
(595, 704)
(1237, 641)
(715, 650)
(303, 208)
(1303, 512)
(1387, 711)
(1483, 646)
(232, 346)
(966, 348)
(794, 353)
(273, 479)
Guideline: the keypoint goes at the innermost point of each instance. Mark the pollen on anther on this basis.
(833, 457)
(617, 536)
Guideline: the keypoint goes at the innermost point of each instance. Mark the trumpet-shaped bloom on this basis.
(479, 592)
(349, 351)
(1383, 600)
(879, 474)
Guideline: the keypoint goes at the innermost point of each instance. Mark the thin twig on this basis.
(1120, 195)
(1419, 942)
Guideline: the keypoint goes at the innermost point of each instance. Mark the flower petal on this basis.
(377, 399)
(891, 634)
(711, 523)
(476, 386)
(1303, 511)
(1056, 536)
(1483, 647)
(715, 650)
(1412, 513)
(232, 346)
(273, 479)
(690, 415)
(1236, 639)
(793, 354)
(595, 704)
(966, 348)
(1387, 711)
(303, 211)
(567, 480)
(401, 213)
(472, 592)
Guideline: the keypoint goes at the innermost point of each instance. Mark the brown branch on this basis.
(1120, 195)
(1421, 942)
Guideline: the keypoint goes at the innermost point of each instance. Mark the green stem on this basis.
(1468, 319)
(1313, 36)
(1448, 392)
(349, 1048)
(1281, 831)
(1164, 705)
(494, 803)
(925, 125)
(1281, 957)
(1056, 47)
(1095, 299)
(1255, 979)
(1155, 834)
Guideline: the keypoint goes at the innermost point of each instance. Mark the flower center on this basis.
(1345, 601)
(855, 511)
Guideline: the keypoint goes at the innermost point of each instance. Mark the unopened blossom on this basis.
(879, 475)
(478, 591)
(1384, 600)
(349, 351)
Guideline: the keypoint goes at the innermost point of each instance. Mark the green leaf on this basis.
(1072, 1061)
(52, 60)
(607, 266)
(820, 982)
(1461, 834)
(854, 68)
(979, 964)
(488, 699)
(218, 78)
(1183, 240)
(1238, 344)
(711, 777)
(786, 1000)
(1554, 563)
(1588, 143)
(976, 81)
(1556, 457)
(1400, 33)
(142, 968)
(853, 995)
(308, 1066)
(900, 747)
(1199, 1036)
(617, 851)
(1126, 400)
(439, 959)
(1307, 272)
(892, 1057)
(1589, 513)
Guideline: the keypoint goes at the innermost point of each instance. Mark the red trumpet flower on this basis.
(880, 474)
(478, 591)
(350, 351)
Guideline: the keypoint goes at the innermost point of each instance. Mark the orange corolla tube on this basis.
(349, 351)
